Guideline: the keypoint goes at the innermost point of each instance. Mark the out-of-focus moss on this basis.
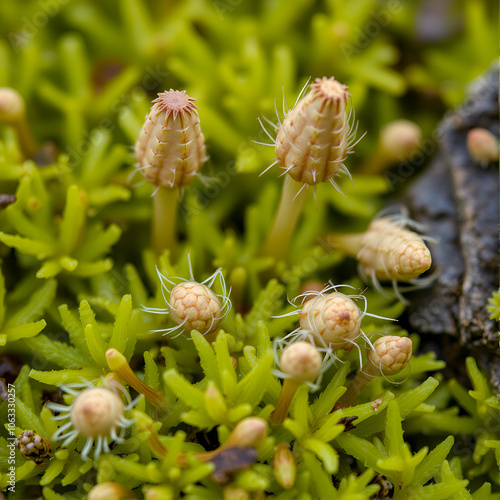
(78, 272)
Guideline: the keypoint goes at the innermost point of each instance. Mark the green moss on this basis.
(78, 272)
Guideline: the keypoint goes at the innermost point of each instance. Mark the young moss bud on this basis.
(334, 318)
(313, 139)
(284, 466)
(389, 356)
(13, 112)
(483, 146)
(110, 491)
(12, 106)
(250, 431)
(32, 446)
(399, 139)
(96, 412)
(300, 362)
(397, 142)
(171, 148)
(119, 365)
(235, 493)
(195, 307)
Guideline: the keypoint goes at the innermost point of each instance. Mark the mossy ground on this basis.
(77, 264)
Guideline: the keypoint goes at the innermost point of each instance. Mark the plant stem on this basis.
(119, 365)
(280, 412)
(26, 140)
(292, 200)
(350, 244)
(376, 165)
(164, 220)
(359, 382)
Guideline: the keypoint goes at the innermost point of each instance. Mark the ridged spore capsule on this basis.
(314, 138)
(171, 147)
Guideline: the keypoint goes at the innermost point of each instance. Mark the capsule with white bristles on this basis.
(334, 319)
(388, 356)
(311, 145)
(192, 305)
(170, 151)
(97, 414)
(331, 319)
(389, 250)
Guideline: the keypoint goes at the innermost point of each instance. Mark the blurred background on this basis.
(89, 69)
(95, 62)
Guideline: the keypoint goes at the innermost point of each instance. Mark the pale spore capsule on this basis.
(195, 307)
(170, 149)
(313, 139)
(97, 414)
(192, 305)
(391, 252)
(334, 318)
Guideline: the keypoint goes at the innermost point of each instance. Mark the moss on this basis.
(79, 275)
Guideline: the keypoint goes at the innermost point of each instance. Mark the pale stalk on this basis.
(288, 391)
(26, 140)
(292, 200)
(350, 244)
(376, 165)
(359, 382)
(164, 220)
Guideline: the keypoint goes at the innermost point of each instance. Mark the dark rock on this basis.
(458, 202)
(232, 460)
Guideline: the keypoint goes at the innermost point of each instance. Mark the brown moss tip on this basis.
(330, 89)
(176, 102)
